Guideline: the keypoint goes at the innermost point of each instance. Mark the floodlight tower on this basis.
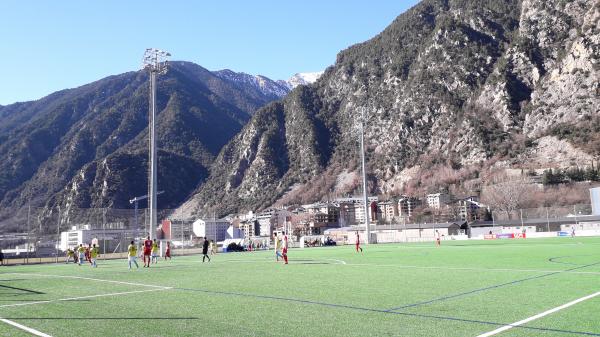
(155, 61)
(361, 94)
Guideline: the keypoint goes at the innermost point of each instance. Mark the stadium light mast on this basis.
(361, 94)
(155, 61)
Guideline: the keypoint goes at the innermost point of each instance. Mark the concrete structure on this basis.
(213, 229)
(399, 233)
(437, 200)
(595, 199)
(108, 239)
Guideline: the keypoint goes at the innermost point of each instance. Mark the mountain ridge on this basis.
(95, 136)
(449, 86)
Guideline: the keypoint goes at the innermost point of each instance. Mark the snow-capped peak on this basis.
(262, 83)
(302, 79)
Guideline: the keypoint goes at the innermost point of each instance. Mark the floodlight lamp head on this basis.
(155, 60)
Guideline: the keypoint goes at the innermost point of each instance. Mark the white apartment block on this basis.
(437, 200)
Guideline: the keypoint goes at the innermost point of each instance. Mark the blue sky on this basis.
(51, 45)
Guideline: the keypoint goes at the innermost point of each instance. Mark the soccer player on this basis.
(147, 251)
(358, 248)
(1, 258)
(70, 254)
(277, 247)
(438, 240)
(81, 254)
(168, 251)
(154, 251)
(87, 254)
(285, 248)
(132, 254)
(213, 247)
(205, 250)
(94, 255)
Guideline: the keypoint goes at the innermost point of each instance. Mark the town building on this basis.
(407, 205)
(387, 210)
(468, 208)
(250, 228)
(352, 210)
(266, 221)
(325, 213)
(437, 200)
(213, 229)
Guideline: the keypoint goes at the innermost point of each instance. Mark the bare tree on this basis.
(507, 194)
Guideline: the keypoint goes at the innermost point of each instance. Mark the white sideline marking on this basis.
(82, 297)
(92, 279)
(22, 327)
(532, 318)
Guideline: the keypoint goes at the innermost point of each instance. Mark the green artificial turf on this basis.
(464, 288)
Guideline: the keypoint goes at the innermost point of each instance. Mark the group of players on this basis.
(149, 253)
(82, 254)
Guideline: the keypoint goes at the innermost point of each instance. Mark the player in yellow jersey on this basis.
(277, 247)
(94, 252)
(70, 254)
(154, 251)
(81, 253)
(132, 254)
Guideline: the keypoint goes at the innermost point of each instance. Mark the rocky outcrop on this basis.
(448, 81)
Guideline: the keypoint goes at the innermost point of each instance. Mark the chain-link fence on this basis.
(34, 235)
(554, 212)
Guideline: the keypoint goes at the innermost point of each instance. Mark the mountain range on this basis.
(87, 147)
(452, 91)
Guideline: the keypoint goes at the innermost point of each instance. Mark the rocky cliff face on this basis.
(449, 81)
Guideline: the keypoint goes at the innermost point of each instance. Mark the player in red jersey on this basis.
(358, 248)
(285, 248)
(168, 251)
(147, 252)
(87, 254)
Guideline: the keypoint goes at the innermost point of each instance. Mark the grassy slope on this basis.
(249, 295)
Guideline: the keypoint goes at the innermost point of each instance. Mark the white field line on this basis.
(339, 261)
(93, 279)
(82, 297)
(24, 328)
(473, 268)
(532, 318)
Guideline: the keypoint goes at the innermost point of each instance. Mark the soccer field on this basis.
(541, 287)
